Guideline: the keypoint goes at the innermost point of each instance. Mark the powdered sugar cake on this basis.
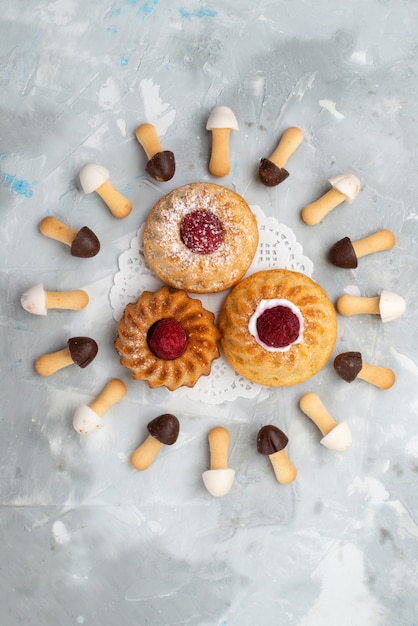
(224, 262)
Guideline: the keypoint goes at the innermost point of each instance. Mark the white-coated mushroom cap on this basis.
(339, 438)
(391, 306)
(92, 176)
(33, 300)
(85, 420)
(218, 481)
(347, 184)
(222, 117)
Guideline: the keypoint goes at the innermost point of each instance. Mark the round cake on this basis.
(167, 339)
(278, 328)
(201, 237)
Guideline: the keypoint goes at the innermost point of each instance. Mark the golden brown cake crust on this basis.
(302, 360)
(135, 354)
(171, 260)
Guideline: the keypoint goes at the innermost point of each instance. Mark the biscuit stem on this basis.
(381, 377)
(218, 445)
(54, 229)
(119, 206)
(114, 391)
(48, 364)
(147, 136)
(74, 300)
(381, 240)
(144, 455)
(313, 408)
(284, 469)
(288, 144)
(356, 305)
(219, 164)
(316, 211)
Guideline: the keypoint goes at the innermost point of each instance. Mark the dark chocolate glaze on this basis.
(85, 244)
(342, 254)
(161, 166)
(83, 350)
(271, 439)
(165, 428)
(348, 365)
(271, 175)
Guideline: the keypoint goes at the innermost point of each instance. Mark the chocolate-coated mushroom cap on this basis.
(85, 244)
(165, 428)
(271, 439)
(348, 365)
(161, 166)
(342, 254)
(271, 175)
(82, 350)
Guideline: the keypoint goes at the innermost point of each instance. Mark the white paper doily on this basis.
(277, 248)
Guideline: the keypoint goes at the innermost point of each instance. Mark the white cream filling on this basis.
(264, 305)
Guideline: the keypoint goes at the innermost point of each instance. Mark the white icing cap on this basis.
(218, 481)
(391, 306)
(85, 420)
(222, 117)
(33, 300)
(347, 184)
(92, 176)
(339, 438)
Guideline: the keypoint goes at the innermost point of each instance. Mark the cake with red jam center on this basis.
(167, 338)
(201, 237)
(278, 328)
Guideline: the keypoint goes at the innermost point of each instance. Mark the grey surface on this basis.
(85, 538)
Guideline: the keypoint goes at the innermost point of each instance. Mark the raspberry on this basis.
(278, 327)
(167, 339)
(201, 232)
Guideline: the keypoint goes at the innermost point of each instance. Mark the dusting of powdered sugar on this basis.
(170, 257)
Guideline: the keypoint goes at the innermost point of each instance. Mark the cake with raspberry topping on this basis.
(167, 339)
(201, 237)
(278, 328)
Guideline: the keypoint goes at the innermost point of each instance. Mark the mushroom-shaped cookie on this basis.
(344, 188)
(272, 442)
(38, 301)
(221, 121)
(95, 177)
(88, 418)
(83, 244)
(161, 163)
(349, 366)
(79, 351)
(345, 253)
(219, 478)
(272, 171)
(388, 305)
(163, 430)
(334, 436)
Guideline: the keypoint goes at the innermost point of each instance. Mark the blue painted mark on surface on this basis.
(115, 11)
(22, 187)
(128, 188)
(148, 7)
(144, 8)
(202, 12)
(124, 61)
(112, 29)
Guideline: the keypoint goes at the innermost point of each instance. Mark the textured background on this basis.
(86, 539)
